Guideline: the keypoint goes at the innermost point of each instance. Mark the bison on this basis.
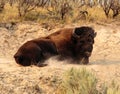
(76, 43)
(35, 51)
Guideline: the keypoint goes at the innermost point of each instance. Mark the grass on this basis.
(81, 81)
(96, 13)
(9, 14)
(114, 88)
(78, 82)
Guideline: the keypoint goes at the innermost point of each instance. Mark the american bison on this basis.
(35, 51)
(76, 43)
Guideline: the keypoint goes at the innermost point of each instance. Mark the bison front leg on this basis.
(84, 60)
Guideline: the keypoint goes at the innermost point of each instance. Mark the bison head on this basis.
(83, 40)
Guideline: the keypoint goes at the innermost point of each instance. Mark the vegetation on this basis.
(81, 81)
(78, 82)
(59, 10)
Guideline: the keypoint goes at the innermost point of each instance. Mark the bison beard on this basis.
(76, 43)
(34, 51)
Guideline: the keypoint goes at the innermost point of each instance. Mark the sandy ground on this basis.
(15, 79)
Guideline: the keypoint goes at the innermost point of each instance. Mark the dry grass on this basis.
(96, 14)
(113, 89)
(10, 14)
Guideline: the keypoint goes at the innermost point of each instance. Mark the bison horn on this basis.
(95, 33)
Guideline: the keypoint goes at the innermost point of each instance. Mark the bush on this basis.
(76, 81)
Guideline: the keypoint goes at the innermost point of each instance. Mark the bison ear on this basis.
(95, 34)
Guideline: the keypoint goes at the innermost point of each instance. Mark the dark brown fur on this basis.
(69, 46)
(62, 40)
(35, 51)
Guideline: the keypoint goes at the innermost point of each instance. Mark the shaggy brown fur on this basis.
(76, 43)
(34, 51)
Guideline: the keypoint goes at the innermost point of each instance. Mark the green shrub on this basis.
(78, 82)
